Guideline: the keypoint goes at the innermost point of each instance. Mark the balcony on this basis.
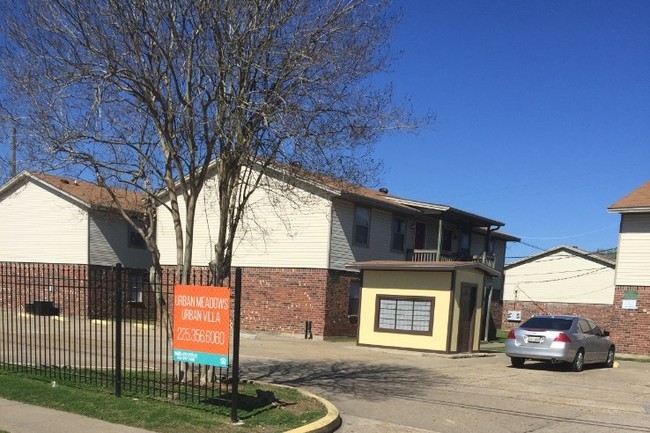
(432, 256)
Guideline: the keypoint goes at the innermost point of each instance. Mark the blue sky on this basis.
(542, 113)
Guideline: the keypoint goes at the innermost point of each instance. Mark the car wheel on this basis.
(609, 362)
(517, 362)
(579, 361)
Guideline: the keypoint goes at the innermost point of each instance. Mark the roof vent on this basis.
(383, 190)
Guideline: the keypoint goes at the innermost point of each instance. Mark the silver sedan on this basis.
(569, 339)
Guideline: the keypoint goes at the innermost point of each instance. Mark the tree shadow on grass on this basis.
(370, 381)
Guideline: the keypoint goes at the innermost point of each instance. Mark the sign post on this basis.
(235, 349)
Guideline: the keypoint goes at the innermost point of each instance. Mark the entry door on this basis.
(466, 320)
(420, 236)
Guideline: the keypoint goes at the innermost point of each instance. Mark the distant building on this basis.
(632, 296)
(561, 280)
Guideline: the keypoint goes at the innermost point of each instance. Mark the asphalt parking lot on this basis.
(401, 391)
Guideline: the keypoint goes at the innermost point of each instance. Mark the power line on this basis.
(570, 236)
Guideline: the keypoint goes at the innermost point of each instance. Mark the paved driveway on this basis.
(398, 391)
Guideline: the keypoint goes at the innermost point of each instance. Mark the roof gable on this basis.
(636, 201)
(594, 257)
(85, 194)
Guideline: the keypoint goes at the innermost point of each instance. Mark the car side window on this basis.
(593, 329)
(583, 326)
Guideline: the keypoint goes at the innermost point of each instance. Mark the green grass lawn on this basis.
(165, 416)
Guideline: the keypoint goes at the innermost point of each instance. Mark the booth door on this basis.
(466, 321)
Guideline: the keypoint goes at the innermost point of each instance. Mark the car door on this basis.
(588, 340)
(593, 341)
(600, 342)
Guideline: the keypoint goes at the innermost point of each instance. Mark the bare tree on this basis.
(158, 95)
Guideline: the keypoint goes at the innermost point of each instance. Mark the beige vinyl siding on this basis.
(343, 249)
(109, 243)
(561, 277)
(281, 228)
(41, 225)
(633, 259)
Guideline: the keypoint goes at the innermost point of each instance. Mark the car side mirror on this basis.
(605, 333)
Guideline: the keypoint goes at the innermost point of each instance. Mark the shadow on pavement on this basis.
(372, 381)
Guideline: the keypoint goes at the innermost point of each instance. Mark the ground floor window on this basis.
(410, 315)
(353, 298)
(136, 281)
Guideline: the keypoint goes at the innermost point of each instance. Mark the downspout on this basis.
(488, 307)
(488, 237)
(486, 330)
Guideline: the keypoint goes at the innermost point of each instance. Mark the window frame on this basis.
(135, 240)
(135, 288)
(378, 328)
(394, 233)
(356, 225)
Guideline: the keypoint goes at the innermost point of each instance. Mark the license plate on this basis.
(535, 339)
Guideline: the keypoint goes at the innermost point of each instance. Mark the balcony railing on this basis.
(432, 256)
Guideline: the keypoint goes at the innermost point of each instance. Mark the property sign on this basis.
(514, 316)
(201, 325)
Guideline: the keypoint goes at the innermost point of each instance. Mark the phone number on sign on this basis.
(201, 336)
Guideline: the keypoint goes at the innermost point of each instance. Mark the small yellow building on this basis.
(427, 306)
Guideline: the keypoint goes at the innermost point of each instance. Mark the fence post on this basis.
(118, 329)
(235, 348)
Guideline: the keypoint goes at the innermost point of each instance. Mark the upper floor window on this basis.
(361, 225)
(135, 239)
(397, 241)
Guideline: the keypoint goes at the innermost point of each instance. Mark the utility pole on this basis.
(13, 151)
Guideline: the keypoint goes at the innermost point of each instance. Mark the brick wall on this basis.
(63, 285)
(599, 313)
(337, 320)
(277, 300)
(282, 300)
(75, 290)
(631, 328)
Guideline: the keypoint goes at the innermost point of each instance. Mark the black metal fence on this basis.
(104, 326)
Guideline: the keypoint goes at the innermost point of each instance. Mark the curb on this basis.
(329, 423)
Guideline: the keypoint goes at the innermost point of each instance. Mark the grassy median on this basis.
(165, 416)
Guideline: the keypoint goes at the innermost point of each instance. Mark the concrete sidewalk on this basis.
(18, 417)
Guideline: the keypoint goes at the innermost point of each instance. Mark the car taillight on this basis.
(562, 338)
(511, 334)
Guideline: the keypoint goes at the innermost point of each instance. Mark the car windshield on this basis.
(553, 323)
